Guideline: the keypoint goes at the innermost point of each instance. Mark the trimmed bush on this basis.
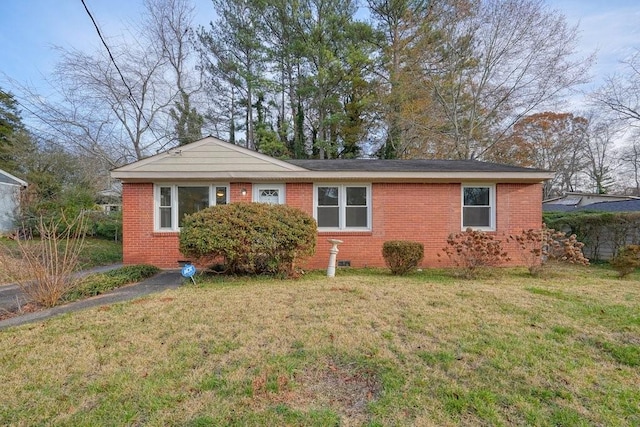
(471, 250)
(402, 256)
(626, 260)
(251, 238)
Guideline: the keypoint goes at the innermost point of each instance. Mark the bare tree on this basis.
(630, 162)
(127, 100)
(621, 92)
(133, 94)
(502, 60)
(598, 151)
(168, 22)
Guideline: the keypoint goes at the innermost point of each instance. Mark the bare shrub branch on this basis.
(44, 269)
(472, 250)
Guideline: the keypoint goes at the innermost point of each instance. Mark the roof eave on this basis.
(293, 176)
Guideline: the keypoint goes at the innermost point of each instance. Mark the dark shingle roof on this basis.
(557, 207)
(619, 206)
(376, 165)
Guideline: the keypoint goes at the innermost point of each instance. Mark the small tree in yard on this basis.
(472, 250)
(627, 260)
(539, 247)
(44, 269)
(251, 238)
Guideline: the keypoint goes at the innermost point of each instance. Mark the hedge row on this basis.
(603, 233)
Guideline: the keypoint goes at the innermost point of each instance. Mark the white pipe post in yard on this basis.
(333, 254)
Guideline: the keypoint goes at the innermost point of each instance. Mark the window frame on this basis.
(491, 206)
(342, 206)
(282, 199)
(175, 220)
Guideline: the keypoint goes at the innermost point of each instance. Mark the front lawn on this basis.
(96, 252)
(364, 348)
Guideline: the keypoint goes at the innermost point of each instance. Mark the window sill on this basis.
(165, 233)
(483, 229)
(345, 232)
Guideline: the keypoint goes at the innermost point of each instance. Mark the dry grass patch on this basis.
(362, 349)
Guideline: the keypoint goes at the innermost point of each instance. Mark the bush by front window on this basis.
(175, 201)
(478, 207)
(343, 207)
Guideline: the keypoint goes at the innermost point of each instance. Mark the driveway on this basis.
(11, 296)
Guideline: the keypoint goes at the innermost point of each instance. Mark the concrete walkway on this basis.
(168, 279)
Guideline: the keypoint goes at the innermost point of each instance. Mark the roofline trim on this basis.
(19, 181)
(131, 167)
(307, 175)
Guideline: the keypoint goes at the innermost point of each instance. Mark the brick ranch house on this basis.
(362, 202)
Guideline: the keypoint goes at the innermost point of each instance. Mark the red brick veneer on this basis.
(426, 213)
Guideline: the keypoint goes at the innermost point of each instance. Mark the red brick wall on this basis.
(426, 213)
(141, 245)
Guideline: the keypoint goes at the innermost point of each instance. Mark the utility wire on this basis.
(95, 25)
(113, 61)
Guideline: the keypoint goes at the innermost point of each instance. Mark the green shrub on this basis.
(599, 231)
(251, 238)
(471, 250)
(402, 256)
(106, 225)
(626, 260)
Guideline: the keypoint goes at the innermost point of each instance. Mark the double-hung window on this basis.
(173, 202)
(343, 206)
(478, 207)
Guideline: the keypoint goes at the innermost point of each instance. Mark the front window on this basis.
(174, 202)
(343, 207)
(478, 207)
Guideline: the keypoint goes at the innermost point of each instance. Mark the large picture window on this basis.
(175, 201)
(478, 207)
(343, 207)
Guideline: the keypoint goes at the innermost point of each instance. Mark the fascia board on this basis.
(307, 175)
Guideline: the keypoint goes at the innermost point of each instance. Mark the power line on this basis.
(95, 25)
(113, 61)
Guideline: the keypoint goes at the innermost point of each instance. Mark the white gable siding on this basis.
(9, 199)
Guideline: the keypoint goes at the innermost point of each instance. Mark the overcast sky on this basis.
(30, 28)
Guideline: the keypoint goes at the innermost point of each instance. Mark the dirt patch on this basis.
(344, 388)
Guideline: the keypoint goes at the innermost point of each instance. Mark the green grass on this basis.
(362, 349)
(96, 252)
(99, 252)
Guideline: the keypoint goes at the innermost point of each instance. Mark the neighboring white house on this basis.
(10, 188)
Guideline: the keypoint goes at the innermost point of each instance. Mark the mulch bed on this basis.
(29, 307)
